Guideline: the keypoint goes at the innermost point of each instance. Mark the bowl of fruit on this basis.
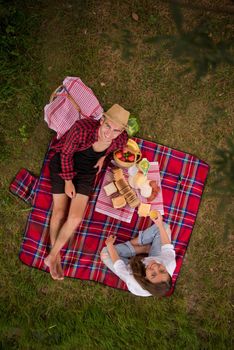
(129, 156)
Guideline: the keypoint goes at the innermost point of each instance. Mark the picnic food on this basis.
(144, 165)
(118, 174)
(129, 156)
(110, 189)
(132, 170)
(133, 125)
(132, 199)
(124, 189)
(132, 145)
(144, 209)
(122, 184)
(124, 156)
(118, 202)
(128, 193)
(138, 180)
(146, 190)
(155, 190)
(134, 202)
(153, 214)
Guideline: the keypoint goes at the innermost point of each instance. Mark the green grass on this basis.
(42, 42)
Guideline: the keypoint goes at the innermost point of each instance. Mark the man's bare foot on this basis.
(52, 264)
(59, 268)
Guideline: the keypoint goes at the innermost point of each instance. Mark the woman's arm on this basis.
(111, 248)
(163, 233)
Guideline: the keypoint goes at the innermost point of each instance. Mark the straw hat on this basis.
(118, 114)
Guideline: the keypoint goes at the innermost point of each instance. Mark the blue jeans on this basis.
(126, 250)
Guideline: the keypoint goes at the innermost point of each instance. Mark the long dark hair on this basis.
(138, 270)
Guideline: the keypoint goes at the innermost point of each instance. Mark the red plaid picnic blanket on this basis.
(183, 179)
(24, 185)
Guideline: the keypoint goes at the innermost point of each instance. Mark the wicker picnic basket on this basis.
(134, 149)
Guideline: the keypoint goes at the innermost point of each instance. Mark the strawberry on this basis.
(119, 154)
(131, 158)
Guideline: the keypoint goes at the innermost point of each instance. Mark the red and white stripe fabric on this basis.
(61, 114)
(104, 203)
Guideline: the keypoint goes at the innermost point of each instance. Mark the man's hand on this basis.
(70, 189)
(99, 164)
(110, 240)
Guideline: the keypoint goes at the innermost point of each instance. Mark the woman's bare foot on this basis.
(51, 262)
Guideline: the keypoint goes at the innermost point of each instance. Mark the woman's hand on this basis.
(99, 164)
(110, 240)
(159, 220)
(70, 189)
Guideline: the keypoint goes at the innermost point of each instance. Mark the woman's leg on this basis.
(125, 251)
(152, 236)
(147, 236)
(155, 248)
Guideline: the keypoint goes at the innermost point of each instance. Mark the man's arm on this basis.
(99, 164)
(70, 189)
(69, 148)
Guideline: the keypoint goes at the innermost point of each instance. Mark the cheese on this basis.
(144, 209)
(110, 189)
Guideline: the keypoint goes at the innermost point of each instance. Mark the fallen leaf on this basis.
(135, 16)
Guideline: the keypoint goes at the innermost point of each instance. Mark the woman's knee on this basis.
(147, 236)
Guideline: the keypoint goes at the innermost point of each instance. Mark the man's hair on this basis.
(139, 272)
